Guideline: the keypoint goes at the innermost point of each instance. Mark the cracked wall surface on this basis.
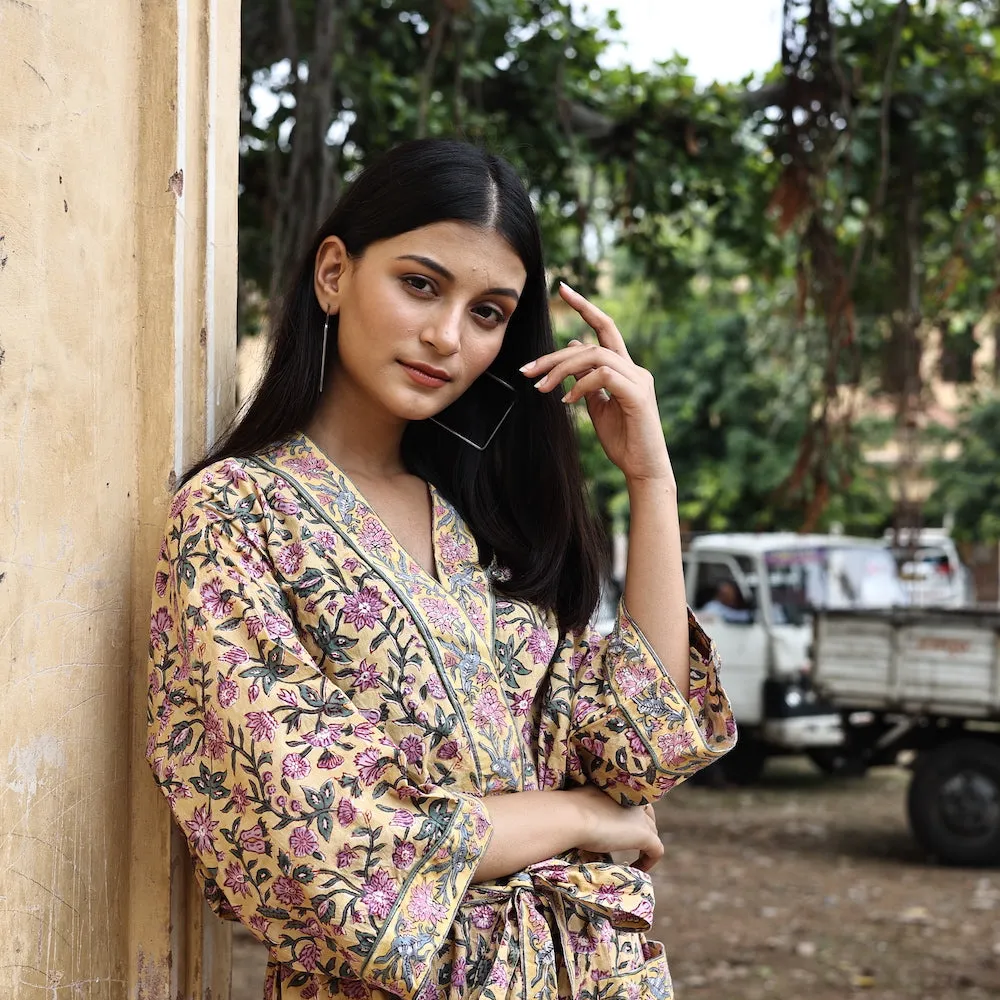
(117, 345)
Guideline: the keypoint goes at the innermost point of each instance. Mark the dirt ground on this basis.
(803, 888)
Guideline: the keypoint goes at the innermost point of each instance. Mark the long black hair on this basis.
(524, 498)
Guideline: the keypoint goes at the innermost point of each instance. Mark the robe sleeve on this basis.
(630, 729)
(300, 813)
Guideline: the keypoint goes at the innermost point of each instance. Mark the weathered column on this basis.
(118, 146)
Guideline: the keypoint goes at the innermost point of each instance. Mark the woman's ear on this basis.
(332, 263)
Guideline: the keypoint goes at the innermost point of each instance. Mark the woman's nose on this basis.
(445, 333)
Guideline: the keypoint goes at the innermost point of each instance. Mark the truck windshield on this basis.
(801, 580)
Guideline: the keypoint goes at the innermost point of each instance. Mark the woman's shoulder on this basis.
(230, 486)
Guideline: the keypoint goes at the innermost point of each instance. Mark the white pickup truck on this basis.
(926, 681)
(756, 594)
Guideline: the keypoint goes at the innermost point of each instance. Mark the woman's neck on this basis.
(360, 438)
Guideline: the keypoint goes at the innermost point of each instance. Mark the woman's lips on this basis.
(424, 377)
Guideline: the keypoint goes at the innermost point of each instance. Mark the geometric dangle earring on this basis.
(322, 363)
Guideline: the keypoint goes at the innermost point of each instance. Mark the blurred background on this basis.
(792, 210)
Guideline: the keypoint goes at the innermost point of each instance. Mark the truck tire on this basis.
(954, 802)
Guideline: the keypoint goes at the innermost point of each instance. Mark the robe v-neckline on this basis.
(435, 577)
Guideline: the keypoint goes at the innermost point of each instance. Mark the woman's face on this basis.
(421, 315)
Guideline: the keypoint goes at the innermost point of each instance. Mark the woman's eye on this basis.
(419, 283)
(489, 313)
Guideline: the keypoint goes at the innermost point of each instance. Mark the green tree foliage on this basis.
(967, 484)
(852, 196)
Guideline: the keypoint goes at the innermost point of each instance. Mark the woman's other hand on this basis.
(620, 395)
(608, 827)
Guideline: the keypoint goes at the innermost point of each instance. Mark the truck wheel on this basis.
(954, 802)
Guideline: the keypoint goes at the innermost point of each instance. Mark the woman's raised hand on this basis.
(609, 827)
(619, 393)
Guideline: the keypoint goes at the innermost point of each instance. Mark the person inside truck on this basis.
(728, 604)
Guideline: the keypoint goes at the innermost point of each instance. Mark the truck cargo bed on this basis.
(922, 661)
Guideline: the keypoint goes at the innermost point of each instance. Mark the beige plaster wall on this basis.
(117, 333)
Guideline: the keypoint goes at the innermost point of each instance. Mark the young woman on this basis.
(398, 753)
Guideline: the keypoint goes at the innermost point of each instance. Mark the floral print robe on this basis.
(325, 720)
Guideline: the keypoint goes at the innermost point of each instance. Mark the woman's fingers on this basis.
(604, 378)
(601, 323)
(576, 362)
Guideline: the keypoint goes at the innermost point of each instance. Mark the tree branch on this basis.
(902, 11)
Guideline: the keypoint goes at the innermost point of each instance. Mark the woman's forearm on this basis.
(654, 582)
(529, 827)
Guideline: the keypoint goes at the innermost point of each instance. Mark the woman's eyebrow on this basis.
(433, 265)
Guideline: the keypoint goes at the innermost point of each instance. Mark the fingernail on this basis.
(541, 382)
(527, 368)
(570, 287)
(565, 398)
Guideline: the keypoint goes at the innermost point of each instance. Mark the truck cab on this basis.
(756, 595)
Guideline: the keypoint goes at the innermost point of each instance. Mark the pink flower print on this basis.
(262, 726)
(379, 893)
(441, 614)
(252, 839)
(346, 856)
(362, 610)
(541, 645)
(434, 687)
(635, 677)
(235, 655)
(309, 955)
(373, 535)
(422, 904)
(329, 761)
(201, 828)
(346, 812)
(487, 712)
(215, 600)
(371, 765)
(547, 777)
(261, 925)
(582, 708)
(458, 971)
(483, 917)
(521, 705)
(366, 676)
(448, 750)
(372, 715)
(351, 564)
(403, 855)
(303, 841)
(324, 737)
(295, 766)
(180, 501)
(499, 976)
(288, 696)
(290, 558)
(253, 692)
(674, 744)
(609, 895)
(288, 891)
(402, 818)
(278, 627)
(253, 625)
(232, 472)
(635, 743)
(307, 465)
(483, 823)
(239, 799)
(160, 583)
(594, 746)
(284, 504)
(236, 879)
(412, 748)
(355, 989)
(160, 623)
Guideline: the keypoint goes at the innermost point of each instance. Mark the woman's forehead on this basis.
(464, 249)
